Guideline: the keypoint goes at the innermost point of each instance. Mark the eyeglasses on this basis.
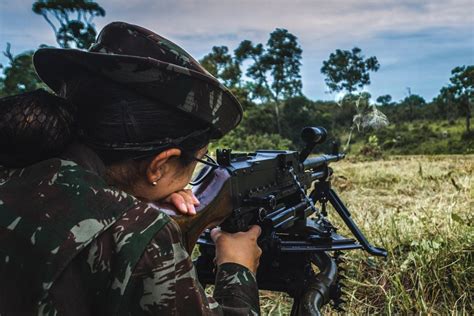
(204, 168)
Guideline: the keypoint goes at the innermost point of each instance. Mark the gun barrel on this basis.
(314, 162)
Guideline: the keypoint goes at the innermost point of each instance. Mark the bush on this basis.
(372, 149)
(251, 143)
(467, 135)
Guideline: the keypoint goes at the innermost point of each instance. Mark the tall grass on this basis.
(420, 209)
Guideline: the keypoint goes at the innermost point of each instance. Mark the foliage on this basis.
(19, 76)
(365, 117)
(414, 100)
(250, 143)
(462, 81)
(384, 99)
(275, 70)
(420, 137)
(410, 104)
(462, 89)
(73, 27)
(223, 66)
(259, 120)
(348, 70)
(300, 112)
(271, 91)
(371, 149)
(444, 102)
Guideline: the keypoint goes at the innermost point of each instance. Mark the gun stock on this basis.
(215, 205)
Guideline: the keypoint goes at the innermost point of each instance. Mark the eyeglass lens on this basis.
(202, 170)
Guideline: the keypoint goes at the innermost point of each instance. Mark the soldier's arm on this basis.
(165, 282)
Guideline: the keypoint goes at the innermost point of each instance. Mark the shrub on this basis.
(250, 143)
(372, 149)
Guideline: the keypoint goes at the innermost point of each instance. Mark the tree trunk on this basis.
(468, 116)
(277, 114)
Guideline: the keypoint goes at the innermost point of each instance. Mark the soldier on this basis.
(78, 235)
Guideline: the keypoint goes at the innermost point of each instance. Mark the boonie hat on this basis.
(150, 65)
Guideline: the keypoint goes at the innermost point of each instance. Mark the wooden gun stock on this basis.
(215, 205)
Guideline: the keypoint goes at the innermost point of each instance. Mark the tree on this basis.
(223, 66)
(384, 99)
(19, 76)
(444, 102)
(412, 102)
(275, 70)
(300, 112)
(73, 27)
(348, 70)
(462, 89)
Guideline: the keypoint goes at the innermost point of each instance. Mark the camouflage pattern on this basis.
(151, 65)
(71, 245)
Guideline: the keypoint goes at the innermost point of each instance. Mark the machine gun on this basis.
(270, 188)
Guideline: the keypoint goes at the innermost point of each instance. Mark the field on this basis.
(417, 137)
(420, 209)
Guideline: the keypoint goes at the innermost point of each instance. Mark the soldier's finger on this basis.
(179, 202)
(188, 200)
(254, 231)
(193, 196)
(196, 201)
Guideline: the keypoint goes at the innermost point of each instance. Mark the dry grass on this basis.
(419, 209)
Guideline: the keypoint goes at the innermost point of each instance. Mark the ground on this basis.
(420, 209)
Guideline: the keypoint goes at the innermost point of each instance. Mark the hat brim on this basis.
(195, 93)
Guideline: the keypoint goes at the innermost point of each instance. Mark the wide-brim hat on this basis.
(150, 65)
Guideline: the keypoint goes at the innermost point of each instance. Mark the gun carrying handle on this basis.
(214, 196)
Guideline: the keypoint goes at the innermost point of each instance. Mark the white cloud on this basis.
(307, 19)
(317, 23)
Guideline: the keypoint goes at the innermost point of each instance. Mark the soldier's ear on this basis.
(160, 165)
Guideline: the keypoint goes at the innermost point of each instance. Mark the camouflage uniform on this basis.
(71, 245)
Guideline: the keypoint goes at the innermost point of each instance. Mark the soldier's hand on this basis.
(238, 248)
(184, 201)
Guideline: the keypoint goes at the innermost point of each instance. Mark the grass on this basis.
(417, 137)
(420, 209)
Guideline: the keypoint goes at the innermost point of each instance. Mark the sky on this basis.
(417, 43)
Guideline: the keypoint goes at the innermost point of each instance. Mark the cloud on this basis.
(321, 26)
(316, 23)
(314, 19)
